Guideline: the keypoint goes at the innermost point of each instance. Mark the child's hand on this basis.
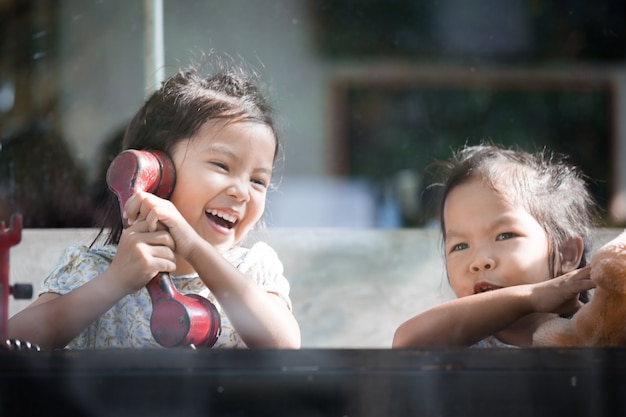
(560, 295)
(158, 214)
(141, 254)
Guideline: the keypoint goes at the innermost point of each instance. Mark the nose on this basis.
(239, 190)
(482, 262)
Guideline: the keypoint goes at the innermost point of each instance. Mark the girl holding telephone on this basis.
(220, 136)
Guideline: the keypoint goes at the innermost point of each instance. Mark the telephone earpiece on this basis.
(132, 171)
(177, 319)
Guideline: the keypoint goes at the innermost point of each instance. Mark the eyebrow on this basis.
(452, 234)
(221, 149)
(502, 220)
(225, 150)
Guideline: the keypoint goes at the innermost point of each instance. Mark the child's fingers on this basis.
(151, 236)
(560, 295)
(132, 208)
(142, 254)
(140, 206)
(152, 220)
(578, 274)
(167, 257)
(581, 279)
(577, 280)
(570, 286)
(159, 214)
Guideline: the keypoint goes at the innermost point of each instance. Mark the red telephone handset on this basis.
(177, 320)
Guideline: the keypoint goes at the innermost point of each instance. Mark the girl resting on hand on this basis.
(516, 230)
(221, 138)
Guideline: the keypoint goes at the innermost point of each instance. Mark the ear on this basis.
(570, 254)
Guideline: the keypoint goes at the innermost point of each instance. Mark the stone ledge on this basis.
(350, 288)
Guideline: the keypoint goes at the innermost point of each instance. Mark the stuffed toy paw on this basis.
(602, 321)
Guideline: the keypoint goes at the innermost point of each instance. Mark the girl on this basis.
(223, 143)
(515, 228)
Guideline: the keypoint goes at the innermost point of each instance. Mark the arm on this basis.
(467, 320)
(464, 321)
(53, 320)
(261, 318)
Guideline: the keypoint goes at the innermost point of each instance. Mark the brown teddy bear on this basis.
(602, 321)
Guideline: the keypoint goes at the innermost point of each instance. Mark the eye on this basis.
(505, 236)
(259, 181)
(459, 246)
(220, 165)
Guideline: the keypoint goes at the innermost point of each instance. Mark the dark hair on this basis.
(184, 103)
(551, 190)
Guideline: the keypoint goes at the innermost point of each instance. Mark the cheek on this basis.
(185, 204)
(177, 194)
(536, 260)
(254, 212)
(257, 205)
(542, 272)
(460, 289)
(460, 286)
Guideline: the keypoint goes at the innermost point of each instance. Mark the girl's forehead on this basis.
(217, 130)
(506, 179)
(230, 138)
(480, 197)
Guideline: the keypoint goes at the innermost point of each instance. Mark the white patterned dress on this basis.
(491, 342)
(127, 324)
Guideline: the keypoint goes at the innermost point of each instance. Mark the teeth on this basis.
(227, 217)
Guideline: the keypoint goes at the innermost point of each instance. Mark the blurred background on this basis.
(369, 94)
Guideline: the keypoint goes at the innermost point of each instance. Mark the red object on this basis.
(177, 319)
(8, 238)
(181, 319)
(132, 171)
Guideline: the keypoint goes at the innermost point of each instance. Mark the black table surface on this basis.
(315, 382)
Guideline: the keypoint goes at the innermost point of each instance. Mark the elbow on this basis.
(294, 341)
(287, 343)
(289, 338)
(400, 339)
(294, 344)
(284, 340)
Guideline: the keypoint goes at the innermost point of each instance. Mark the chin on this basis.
(222, 246)
(221, 242)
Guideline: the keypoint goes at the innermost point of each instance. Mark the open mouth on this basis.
(484, 287)
(222, 219)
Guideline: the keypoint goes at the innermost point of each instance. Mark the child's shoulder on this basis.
(257, 252)
(76, 265)
(259, 260)
(83, 253)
